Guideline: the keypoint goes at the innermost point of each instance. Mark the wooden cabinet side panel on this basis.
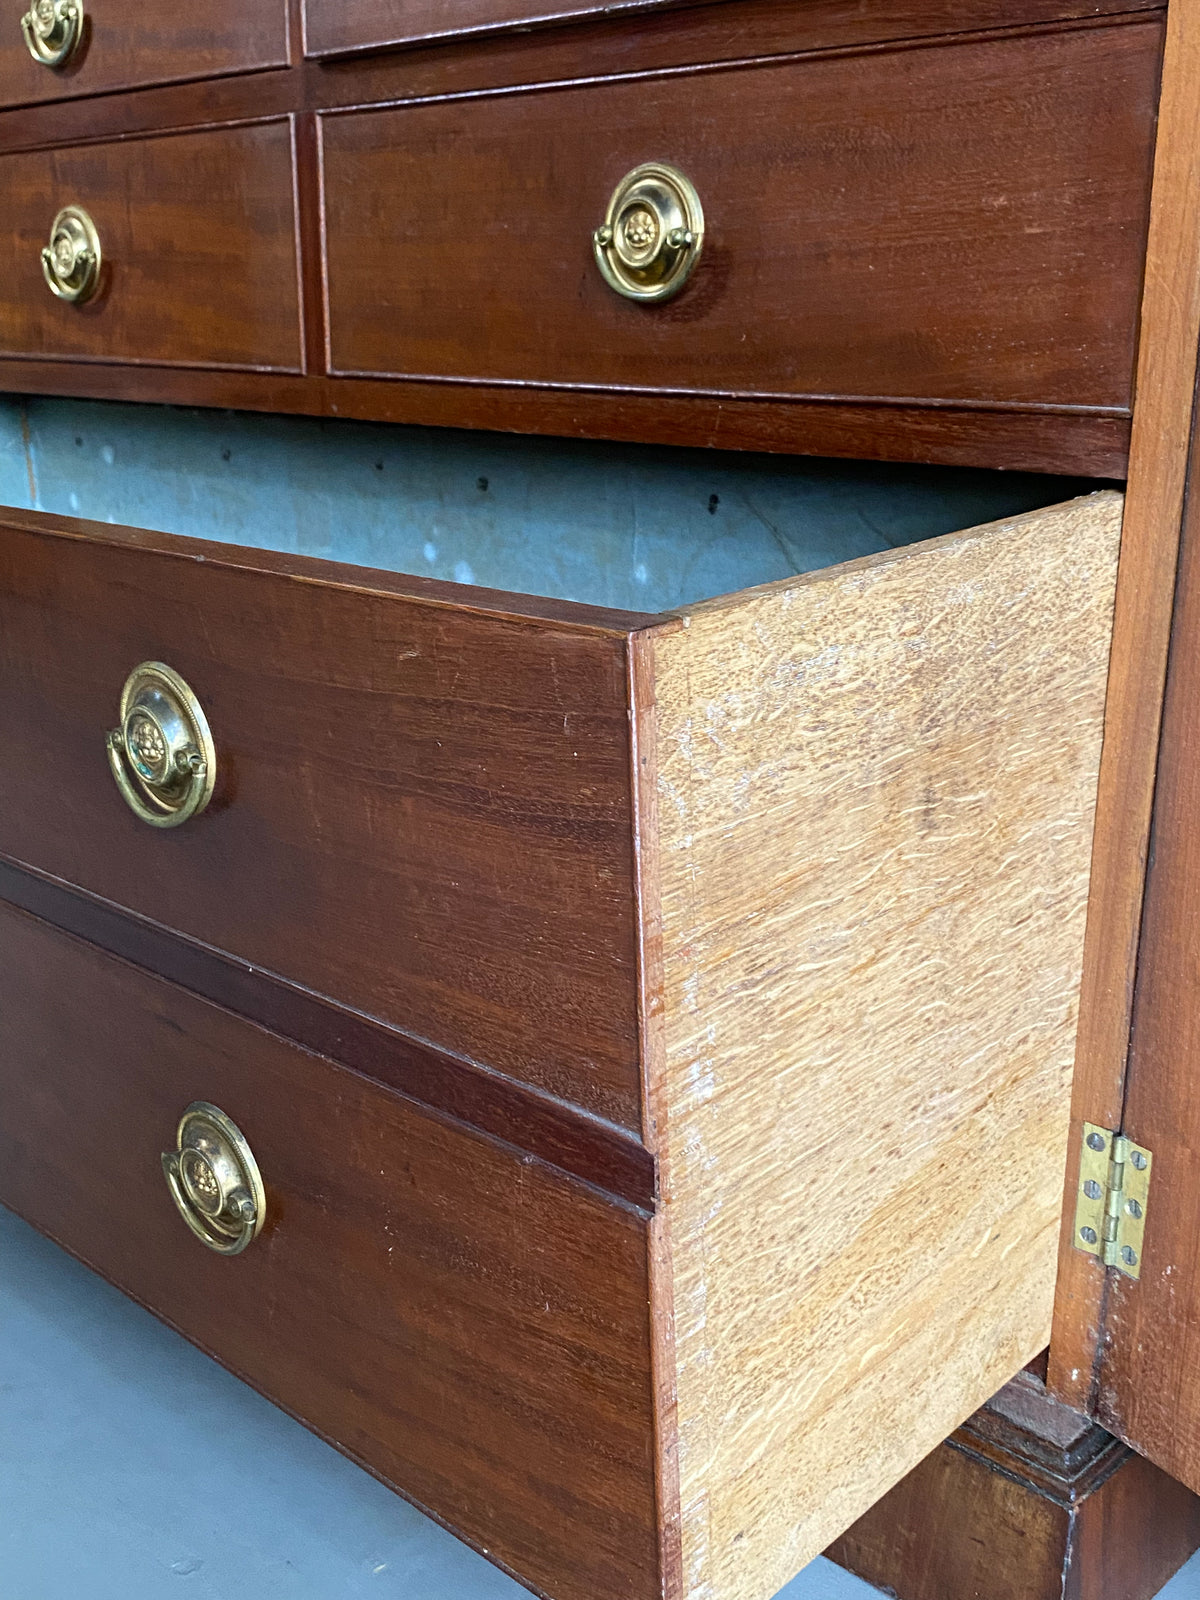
(1158, 468)
(1147, 1390)
(875, 792)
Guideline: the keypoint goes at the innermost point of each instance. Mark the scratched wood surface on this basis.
(875, 797)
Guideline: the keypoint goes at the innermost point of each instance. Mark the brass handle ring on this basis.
(71, 261)
(162, 756)
(214, 1180)
(650, 240)
(53, 30)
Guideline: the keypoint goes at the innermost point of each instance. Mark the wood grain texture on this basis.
(462, 1320)
(587, 1147)
(875, 794)
(347, 25)
(1158, 467)
(819, 285)
(198, 234)
(692, 37)
(335, 27)
(127, 44)
(999, 1512)
(1151, 1329)
(423, 808)
(685, 44)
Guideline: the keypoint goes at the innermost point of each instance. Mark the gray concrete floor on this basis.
(133, 1468)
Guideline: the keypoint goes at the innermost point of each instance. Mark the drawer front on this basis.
(122, 44)
(338, 27)
(470, 1326)
(421, 810)
(962, 222)
(197, 237)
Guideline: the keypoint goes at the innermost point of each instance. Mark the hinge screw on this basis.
(1088, 1235)
(1129, 1255)
(1134, 1208)
(1092, 1189)
(1095, 1141)
(1138, 1160)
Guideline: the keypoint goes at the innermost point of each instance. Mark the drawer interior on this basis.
(627, 526)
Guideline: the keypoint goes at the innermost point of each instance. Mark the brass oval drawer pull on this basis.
(653, 231)
(162, 755)
(214, 1180)
(71, 261)
(53, 30)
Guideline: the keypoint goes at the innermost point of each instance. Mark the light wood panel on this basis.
(1170, 329)
(875, 798)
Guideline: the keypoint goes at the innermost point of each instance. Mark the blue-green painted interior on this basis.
(620, 525)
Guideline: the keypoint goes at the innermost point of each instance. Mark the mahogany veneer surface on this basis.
(926, 230)
(423, 808)
(960, 223)
(347, 25)
(465, 1322)
(127, 43)
(198, 236)
(339, 27)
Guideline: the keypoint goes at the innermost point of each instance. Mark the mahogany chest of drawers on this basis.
(918, 234)
(646, 1038)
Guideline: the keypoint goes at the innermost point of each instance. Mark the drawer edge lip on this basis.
(497, 605)
(584, 1147)
(1085, 444)
(176, 80)
(581, 14)
(774, 397)
(140, 363)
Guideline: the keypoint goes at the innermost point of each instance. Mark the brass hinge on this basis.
(1110, 1213)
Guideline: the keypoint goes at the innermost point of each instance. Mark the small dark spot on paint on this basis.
(714, 500)
(379, 466)
(481, 484)
(226, 455)
(78, 440)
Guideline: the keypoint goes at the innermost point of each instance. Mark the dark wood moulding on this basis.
(588, 1148)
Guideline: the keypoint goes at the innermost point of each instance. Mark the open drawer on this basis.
(785, 889)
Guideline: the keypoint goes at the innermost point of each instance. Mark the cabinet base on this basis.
(1028, 1500)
